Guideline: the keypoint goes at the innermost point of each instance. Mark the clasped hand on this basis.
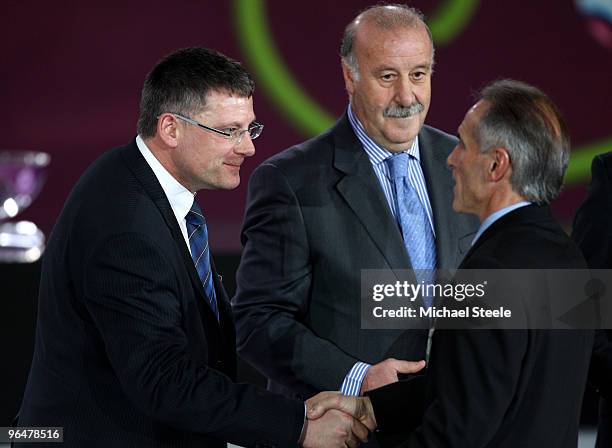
(336, 420)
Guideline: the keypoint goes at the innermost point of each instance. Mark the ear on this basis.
(349, 82)
(500, 165)
(168, 130)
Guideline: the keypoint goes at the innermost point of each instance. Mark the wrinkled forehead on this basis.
(373, 42)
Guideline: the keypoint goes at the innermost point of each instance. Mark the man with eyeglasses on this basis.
(135, 343)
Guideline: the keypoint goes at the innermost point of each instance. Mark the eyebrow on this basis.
(383, 68)
(234, 124)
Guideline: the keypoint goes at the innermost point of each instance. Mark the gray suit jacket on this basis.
(316, 216)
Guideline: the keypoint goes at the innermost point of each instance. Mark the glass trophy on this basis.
(22, 175)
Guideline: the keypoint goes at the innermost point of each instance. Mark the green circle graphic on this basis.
(257, 44)
(275, 78)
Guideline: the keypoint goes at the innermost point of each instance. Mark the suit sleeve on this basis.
(131, 292)
(274, 283)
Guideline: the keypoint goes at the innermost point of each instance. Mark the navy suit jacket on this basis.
(503, 388)
(128, 352)
(316, 216)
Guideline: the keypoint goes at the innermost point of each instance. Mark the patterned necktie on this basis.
(198, 242)
(413, 222)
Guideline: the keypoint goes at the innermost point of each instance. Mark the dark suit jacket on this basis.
(128, 352)
(506, 388)
(316, 217)
(593, 233)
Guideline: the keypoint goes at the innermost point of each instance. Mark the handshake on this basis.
(336, 420)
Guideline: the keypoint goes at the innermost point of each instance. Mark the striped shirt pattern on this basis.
(352, 382)
(377, 155)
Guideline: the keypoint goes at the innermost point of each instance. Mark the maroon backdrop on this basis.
(72, 72)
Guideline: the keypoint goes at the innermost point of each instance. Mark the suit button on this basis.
(219, 364)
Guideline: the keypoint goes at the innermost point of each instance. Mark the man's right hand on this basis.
(334, 429)
(385, 372)
(358, 407)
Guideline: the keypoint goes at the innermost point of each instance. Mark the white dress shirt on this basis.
(180, 198)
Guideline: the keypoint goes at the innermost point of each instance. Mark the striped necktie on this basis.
(413, 222)
(200, 252)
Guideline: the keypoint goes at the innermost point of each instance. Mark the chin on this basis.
(404, 135)
(230, 184)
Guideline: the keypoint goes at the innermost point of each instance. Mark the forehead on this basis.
(473, 116)
(224, 104)
(398, 45)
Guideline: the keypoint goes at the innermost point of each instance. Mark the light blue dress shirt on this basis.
(489, 220)
(377, 155)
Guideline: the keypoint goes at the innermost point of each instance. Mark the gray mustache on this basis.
(403, 112)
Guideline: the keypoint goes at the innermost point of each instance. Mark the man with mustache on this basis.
(494, 387)
(321, 211)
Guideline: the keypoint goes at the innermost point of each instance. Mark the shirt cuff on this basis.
(353, 380)
(304, 427)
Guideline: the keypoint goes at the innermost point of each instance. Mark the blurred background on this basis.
(72, 71)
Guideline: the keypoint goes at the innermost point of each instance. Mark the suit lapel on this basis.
(361, 190)
(144, 174)
(226, 317)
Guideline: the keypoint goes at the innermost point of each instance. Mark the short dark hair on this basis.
(524, 121)
(181, 81)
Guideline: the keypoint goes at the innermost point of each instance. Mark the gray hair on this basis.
(524, 121)
(180, 83)
(386, 17)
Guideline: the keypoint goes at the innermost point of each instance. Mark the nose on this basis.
(404, 93)
(246, 148)
(450, 160)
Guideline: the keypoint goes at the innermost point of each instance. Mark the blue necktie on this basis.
(413, 221)
(198, 242)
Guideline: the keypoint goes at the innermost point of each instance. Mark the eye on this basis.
(387, 77)
(229, 130)
(419, 75)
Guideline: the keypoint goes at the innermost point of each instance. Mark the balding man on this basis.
(321, 211)
(492, 387)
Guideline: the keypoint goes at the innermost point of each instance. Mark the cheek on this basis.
(424, 95)
(208, 156)
(374, 95)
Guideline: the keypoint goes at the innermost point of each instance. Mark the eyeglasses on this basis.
(234, 135)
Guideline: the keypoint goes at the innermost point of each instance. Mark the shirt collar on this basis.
(180, 198)
(489, 220)
(376, 153)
